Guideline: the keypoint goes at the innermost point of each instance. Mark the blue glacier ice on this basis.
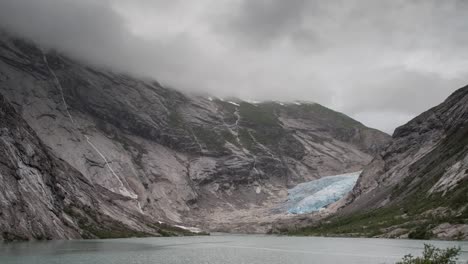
(312, 196)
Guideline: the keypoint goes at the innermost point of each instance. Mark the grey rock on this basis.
(423, 168)
(43, 197)
(172, 157)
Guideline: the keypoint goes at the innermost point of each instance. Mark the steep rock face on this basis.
(174, 157)
(431, 149)
(420, 180)
(42, 197)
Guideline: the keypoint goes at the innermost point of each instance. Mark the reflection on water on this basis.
(217, 249)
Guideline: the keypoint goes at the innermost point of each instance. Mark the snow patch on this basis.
(258, 190)
(313, 196)
(191, 229)
(234, 103)
(253, 102)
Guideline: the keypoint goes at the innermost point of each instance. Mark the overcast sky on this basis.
(381, 62)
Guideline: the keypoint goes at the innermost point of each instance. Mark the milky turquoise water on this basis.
(216, 249)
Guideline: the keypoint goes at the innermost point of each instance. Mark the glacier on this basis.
(314, 195)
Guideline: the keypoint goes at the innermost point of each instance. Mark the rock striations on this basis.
(43, 197)
(90, 142)
(417, 186)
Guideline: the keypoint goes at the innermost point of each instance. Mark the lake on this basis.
(217, 249)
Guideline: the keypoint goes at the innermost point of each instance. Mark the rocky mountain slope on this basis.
(43, 197)
(168, 156)
(418, 185)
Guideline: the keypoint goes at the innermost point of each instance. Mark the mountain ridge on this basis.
(45, 198)
(417, 186)
(177, 158)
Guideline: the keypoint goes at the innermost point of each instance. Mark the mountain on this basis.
(162, 155)
(43, 197)
(417, 186)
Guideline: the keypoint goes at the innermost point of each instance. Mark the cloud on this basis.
(381, 62)
(264, 21)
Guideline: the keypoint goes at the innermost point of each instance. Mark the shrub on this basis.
(433, 255)
(421, 232)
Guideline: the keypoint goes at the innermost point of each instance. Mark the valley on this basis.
(169, 157)
(141, 159)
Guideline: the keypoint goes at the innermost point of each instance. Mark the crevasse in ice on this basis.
(314, 195)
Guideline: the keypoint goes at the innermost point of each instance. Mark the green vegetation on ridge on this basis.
(412, 209)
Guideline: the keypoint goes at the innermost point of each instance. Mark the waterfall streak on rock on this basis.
(59, 86)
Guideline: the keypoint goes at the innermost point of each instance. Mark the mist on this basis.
(380, 62)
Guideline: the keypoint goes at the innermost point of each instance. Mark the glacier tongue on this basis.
(312, 196)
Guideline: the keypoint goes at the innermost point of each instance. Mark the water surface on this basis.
(217, 249)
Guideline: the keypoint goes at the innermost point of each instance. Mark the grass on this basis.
(410, 215)
(229, 137)
(263, 123)
(246, 140)
(175, 120)
(259, 115)
(411, 200)
(10, 237)
(210, 139)
(94, 225)
(363, 224)
(100, 226)
(314, 111)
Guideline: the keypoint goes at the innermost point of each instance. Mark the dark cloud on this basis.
(379, 61)
(264, 21)
(81, 28)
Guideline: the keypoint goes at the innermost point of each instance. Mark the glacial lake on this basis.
(217, 249)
